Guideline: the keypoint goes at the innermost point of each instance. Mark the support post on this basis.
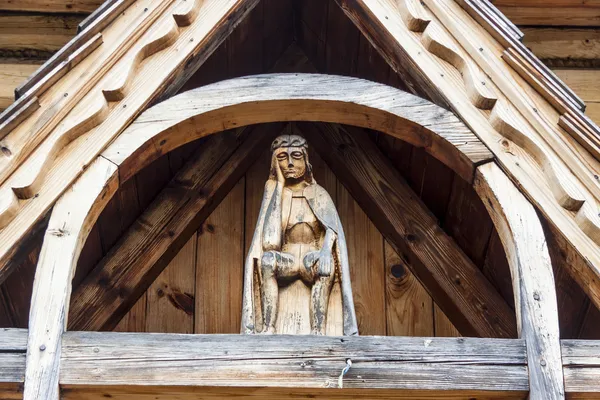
(72, 219)
(523, 239)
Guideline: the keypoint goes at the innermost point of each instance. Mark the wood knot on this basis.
(398, 271)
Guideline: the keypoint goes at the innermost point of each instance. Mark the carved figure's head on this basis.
(290, 154)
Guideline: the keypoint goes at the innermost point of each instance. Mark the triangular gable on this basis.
(463, 55)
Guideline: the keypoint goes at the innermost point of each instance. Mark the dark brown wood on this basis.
(162, 230)
(454, 282)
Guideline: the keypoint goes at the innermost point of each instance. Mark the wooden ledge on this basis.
(100, 363)
(161, 366)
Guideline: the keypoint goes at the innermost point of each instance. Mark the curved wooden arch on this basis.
(270, 98)
(297, 97)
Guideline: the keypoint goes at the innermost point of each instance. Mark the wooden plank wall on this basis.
(388, 299)
(333, 45)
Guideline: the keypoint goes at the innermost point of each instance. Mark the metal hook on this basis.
(344, 372)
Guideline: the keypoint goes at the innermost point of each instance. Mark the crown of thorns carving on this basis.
(289, 141)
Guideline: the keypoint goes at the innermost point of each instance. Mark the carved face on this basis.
(291, 162)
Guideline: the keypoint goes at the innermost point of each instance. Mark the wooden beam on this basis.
(173, 48)
(71, 220)
(552, 15)
(581, 361)
(11, 76)
(297, 97)
(454, 282)
(160, 232)
(544, 160)
(13, 346)
(51, 6)
(536, 305)
(98, 363)
(564, 47)
(34, 35)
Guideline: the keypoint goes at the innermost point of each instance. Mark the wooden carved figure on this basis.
(298, 254)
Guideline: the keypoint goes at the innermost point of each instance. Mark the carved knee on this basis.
(268, 263)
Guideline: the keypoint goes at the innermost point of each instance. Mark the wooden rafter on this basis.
(454, 282)
(172, 356)
(180, 209)
(144, 50)
(545, 160)
(459, 368)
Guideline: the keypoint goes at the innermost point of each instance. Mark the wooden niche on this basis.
(200, 289)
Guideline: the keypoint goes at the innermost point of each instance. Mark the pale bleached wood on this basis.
(285, 97)
(214, 22)
(450, 277)
(394, 363)
(219, 266)
(536, 306)
(71, 220)
(170, 298)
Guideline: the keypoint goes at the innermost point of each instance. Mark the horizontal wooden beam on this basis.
(51, 6)
(452, 368)
(551, 13)
(11, 76)
(564, 47)
(34, 35)
(422, 363)
(460, 289)
(581, 363)
(13, 346)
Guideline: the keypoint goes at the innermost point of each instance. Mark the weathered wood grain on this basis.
(215, 20)
(536, 306)
(408, 306)
(70, 223)
(219, 265)
(13, 347)
(170, 298)
(452, 280)
(530, 118)
(448, 366)
(286, 97)
(130, 267)
(581, 360)
(51, 6)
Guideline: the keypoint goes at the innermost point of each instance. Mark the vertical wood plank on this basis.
(443, 326)
(409, 308)
(135, 319)
(219, 266)
(170, 298)
(365, 254)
